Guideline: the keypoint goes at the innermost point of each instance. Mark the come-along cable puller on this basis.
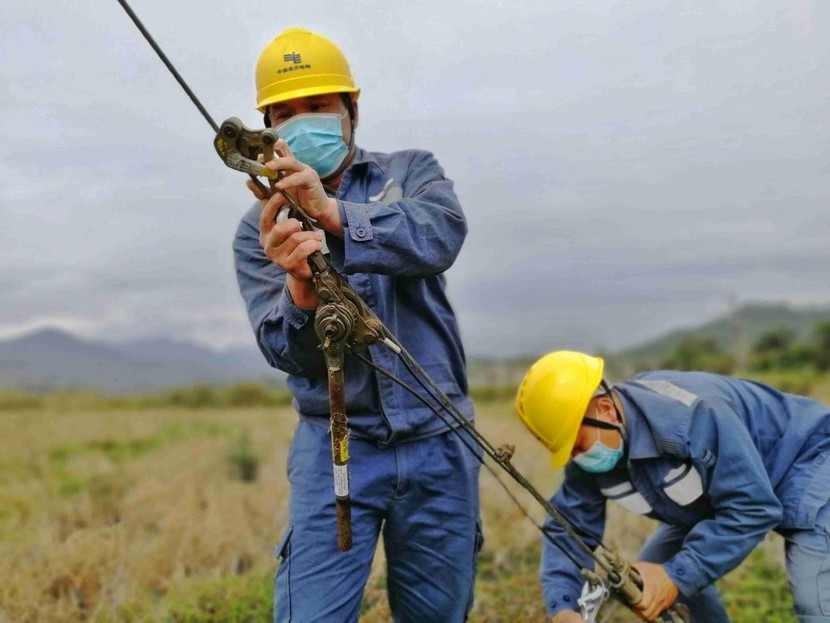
(345, 325)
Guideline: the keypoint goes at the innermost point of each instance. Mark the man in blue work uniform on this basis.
(719, 461)
(392, 225)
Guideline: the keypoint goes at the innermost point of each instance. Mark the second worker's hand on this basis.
(659, 591)
(567, 616)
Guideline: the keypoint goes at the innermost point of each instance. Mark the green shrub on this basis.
(12, 401)
(758, 591)
(242, 458)
(483, 394)
(801, 382)
(241, 599)
(195, 397)
(255, 395)
(699, 352)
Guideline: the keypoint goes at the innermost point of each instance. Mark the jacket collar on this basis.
(641, 444)
(363, 158)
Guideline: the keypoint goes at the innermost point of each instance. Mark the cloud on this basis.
(635, 166)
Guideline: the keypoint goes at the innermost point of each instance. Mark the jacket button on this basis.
(360, 232)
(680, 571)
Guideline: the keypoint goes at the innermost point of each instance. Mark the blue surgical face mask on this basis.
(599, 458)
(316, 139)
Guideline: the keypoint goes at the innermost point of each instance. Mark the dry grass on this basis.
(105, 510)
(113, 515)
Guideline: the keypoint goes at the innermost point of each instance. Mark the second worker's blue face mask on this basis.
(316, 139)
(599, 458)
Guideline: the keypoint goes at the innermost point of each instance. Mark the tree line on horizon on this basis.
(778, 349)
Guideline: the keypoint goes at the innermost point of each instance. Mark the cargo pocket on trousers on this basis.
(824, 586)
(282, 580)
(479, 543)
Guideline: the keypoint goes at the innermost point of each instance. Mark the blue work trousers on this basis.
(421, 495)
(808, 570)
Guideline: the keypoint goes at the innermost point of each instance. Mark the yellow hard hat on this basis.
(553, 396)
(301, 63)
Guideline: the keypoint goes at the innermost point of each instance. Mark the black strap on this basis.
(600, 424)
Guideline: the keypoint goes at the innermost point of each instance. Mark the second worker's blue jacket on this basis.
(403, 227)
(727, 459)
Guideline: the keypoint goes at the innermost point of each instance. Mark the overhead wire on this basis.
(168, 64)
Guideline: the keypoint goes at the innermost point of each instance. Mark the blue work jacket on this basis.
(726, 459)
(403, 227)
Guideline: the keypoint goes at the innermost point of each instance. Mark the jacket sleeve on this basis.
(744, 505)
(581, 503)
(418, 235)
(284, 332)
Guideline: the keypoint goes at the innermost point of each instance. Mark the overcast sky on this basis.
(625, 167)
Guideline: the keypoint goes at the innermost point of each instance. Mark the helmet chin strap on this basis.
(619, 427)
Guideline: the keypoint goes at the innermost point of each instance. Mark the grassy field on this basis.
(171, 514)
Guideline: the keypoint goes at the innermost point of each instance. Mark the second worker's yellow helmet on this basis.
(301, 63)
(553, 396)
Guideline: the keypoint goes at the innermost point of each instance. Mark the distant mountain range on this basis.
(735, 332)
(52, 359)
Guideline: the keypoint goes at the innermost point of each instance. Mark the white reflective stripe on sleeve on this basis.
(687, 489)
(676, 473)
(381, 194)
(670, 390)
(626, 496)
(634, 503)
(617, 490)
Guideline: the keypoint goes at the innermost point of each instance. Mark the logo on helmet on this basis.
(293, 57)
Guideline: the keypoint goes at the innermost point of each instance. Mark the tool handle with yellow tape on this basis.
(340, 447)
